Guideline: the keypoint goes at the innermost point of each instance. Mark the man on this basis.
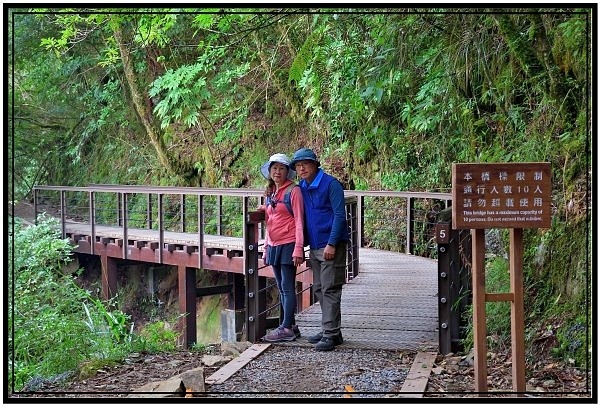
(327, 232)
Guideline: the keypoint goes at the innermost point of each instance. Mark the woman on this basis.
(284, 245)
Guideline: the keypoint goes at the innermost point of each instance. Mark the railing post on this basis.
(35, 204)
(219, 214)
(445, 322)
(124, 221)
(119, 218)
(92, 217)
(460, 265)
(182, 211)
(63, 208)
(149, 210)
(454, 282)
(352, 255)
(255, 299)
(410, 226)
(161, 231)
(361, 221)
(201, 231)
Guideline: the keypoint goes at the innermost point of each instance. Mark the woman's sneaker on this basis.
(280, 334)
(296, 330)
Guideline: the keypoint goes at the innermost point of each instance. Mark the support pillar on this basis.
(187, 303)
(232, 318)
(236, 297)
(109, 276)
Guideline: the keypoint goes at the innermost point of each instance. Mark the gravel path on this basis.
(286, 371)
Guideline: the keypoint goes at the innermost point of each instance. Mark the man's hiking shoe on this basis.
(326, 344)
(280, 334)
(338, 339)
(296, 330)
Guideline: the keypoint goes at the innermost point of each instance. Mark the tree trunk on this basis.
(143, 112)
(520, 48)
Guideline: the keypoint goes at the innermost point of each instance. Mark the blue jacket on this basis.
(324, 211)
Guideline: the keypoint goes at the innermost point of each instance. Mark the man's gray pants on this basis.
(328, 278)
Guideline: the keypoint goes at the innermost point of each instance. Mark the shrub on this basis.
(157, 337)
(49, 315)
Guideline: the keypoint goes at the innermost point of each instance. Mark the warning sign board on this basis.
(501, 195)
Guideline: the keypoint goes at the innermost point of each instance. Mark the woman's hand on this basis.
(298, 261)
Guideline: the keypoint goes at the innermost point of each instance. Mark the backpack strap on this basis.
(287, 198)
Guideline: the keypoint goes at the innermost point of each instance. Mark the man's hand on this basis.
(329, 252)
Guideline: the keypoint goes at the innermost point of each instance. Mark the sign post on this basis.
(500, 195)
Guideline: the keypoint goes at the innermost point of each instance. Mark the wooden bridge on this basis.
(391, 296)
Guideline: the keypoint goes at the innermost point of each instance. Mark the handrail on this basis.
(187, 190)
(392, 193)
(233, 191)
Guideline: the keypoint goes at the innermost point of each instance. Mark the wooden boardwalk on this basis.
(391, 305)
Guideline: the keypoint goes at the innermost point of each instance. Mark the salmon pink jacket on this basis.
(282, 227)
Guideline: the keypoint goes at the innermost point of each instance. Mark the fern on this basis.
(303, 57)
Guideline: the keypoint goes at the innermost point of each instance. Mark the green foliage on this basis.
(380, 232)
(199, 347)
(156, 337)
(90, 368)
(497, 280)
(498, 316)
(399, 180)
(119, 331)
(46, 308)
(570, 35)
(574, 340)
(565, 263)
(303, 57)
(559, 281)
(154, 28)
(184, 92)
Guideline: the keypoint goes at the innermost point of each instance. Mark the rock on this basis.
(437, 370)
(211, 360)
(234, 348)
(468, 360)
(193, 380)
(162, 389)
(177, 386)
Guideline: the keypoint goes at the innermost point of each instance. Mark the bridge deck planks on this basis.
(170, 237)
(391, 305)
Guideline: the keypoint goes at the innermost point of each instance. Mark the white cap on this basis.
(279, 158)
